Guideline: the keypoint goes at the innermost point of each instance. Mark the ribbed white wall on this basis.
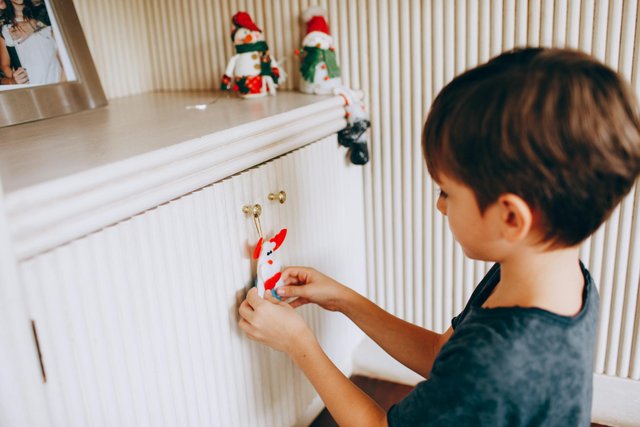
(138, 322)
(117, 35)
(401, 53)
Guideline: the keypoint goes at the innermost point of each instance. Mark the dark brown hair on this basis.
(554, 126)
(9, 14)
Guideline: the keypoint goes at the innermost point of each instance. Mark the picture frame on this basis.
(29, 103)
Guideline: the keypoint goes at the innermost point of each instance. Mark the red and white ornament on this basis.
(268, 268)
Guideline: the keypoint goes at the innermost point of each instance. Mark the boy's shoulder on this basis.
(517, 340)
(507, 320)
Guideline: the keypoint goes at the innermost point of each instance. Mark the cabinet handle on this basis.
(255, 211)
(37, 342)
(281, 197)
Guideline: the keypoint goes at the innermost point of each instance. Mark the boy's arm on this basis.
(411, 345)
(347, 403)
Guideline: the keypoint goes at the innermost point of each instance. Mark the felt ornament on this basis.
(319, 69)
(251, 72)
(269, 276)
(354, 136)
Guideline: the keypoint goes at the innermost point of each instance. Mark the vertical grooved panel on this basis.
(416, 288)
(395, 165)
(427, 201)
(138, 321)
(508, 25)
(405, 187)
(533, 34)
(560, 16)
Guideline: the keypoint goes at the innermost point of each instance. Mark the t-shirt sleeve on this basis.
(460, 391)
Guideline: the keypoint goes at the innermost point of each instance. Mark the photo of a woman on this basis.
(26, 28)
(10, 74)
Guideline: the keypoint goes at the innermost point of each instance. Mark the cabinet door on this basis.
(138, 322)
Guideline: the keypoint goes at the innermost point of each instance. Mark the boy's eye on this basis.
(443, 194)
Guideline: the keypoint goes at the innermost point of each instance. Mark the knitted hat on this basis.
(243, 20)
(315, 17)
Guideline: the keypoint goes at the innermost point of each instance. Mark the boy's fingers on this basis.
(269, 297)
(272, 299)
(292, 291)
(298, 302)
(291, 281)
(246, 328)
(253, 298)
(299, 274)
(244, 325)
(245, 310)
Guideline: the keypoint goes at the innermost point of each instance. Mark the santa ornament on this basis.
(251, 71)
(319, 69)
(269, 276)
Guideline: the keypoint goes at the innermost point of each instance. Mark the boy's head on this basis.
(552, 128)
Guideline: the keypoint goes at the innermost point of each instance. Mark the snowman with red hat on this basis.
(251, 71)
(319, 68)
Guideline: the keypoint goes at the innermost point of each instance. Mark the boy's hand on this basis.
(272, 322)
(308, 285)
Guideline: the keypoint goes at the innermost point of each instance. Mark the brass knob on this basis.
(281, 197)
(255, 210)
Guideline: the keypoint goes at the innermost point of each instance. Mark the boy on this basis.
(532, 150)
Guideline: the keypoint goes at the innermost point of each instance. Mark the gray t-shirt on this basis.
(509, 366)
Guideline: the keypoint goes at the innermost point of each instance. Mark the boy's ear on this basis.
(516, 217)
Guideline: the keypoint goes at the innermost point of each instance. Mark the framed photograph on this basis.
(46, 68)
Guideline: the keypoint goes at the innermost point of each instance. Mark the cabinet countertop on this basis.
(71, 175)
(40, 151)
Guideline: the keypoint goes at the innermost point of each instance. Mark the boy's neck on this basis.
(549, 280)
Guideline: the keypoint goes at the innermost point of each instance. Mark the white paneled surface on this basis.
(21, 393)
(137, 322)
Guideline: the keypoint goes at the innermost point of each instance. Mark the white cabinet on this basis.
(137, 321)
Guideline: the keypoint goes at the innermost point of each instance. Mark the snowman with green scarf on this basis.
(318, 67)
(251, 72)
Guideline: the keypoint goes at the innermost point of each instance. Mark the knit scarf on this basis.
(252, 47)
(315, 55)
(265, 60)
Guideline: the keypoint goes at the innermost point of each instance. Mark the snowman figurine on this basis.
(320, 73)
(251, 71)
